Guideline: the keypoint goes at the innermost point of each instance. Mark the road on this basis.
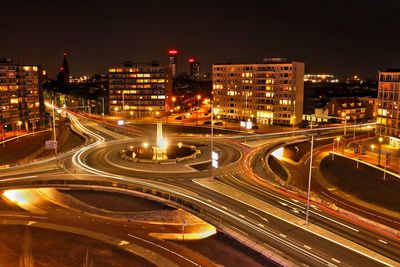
(238, 162)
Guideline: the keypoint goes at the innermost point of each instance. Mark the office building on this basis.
(173, 53)
(21, 96)
(194, 67)
(388, 114)
(137, 90)
(270, 92)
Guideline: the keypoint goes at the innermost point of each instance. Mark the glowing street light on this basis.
(345, 121)
(180, 145)
(145, 145)
(379, 153)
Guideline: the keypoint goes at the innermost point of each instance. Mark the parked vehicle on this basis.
(362, 151)
(207, 122)
(255, 127)
(219, 123)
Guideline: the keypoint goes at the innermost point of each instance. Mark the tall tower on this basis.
(172, 61)
(63, 75)
(194, 67)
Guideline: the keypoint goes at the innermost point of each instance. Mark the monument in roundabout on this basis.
(160, 152)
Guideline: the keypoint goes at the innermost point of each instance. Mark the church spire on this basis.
(63, 76)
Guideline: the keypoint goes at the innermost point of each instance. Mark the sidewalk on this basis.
(372, 153)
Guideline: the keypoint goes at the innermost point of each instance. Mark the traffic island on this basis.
(365, 183)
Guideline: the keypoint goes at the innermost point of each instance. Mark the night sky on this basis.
(343, 37)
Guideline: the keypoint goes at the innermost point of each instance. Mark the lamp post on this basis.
(309, 179)
(294, 120)
(245, 119)
(354, 128)
(123, 103)
(2, 135)
(19, 123)
(54, 129)
(198, 100)
(379, 153)
(345, 122)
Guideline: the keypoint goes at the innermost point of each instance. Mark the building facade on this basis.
(350, 108)
(21, 96)
(266, 93)
(173, 53)
(194, 67)
(137, 90)
(388, 114)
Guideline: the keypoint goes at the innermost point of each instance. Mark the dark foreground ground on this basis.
(53, 248)
(219, 248)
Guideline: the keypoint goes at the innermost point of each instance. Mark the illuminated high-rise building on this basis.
(137, 89)
(268, 93)
(194, 67)
(63, 75)
(172, 62)
(21, 96)
(388, 106)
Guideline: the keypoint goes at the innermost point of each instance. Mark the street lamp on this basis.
(19, 123)
(198, 100)
(309, 179)
(372, 148)
(379, 153)
(345, 122)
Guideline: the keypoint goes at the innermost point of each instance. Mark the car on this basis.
(219, 123)
(196, 108)
(205, 114)
(207, 122)
(255, 127)
(178, 118)
(362, 151)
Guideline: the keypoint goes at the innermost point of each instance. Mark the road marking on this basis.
(240, 215)
(40, 217)
(301, 207)
(260, 224)
(307, 247)
(239, 230)
(282, 235)
(15, 215)
(209, 200)
(335, 260)
(18, 178)
(225, 208)
(282, 203)
(164, 248)
(262, 218)
(383, 241)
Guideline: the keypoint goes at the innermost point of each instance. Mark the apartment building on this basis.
(388, 114)
(270, 92)
(21, 97)
(137, 89)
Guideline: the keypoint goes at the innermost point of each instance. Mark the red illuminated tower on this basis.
(172, 61)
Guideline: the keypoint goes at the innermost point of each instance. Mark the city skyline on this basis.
(341, 38)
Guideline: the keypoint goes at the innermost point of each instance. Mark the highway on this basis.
(238, 165)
